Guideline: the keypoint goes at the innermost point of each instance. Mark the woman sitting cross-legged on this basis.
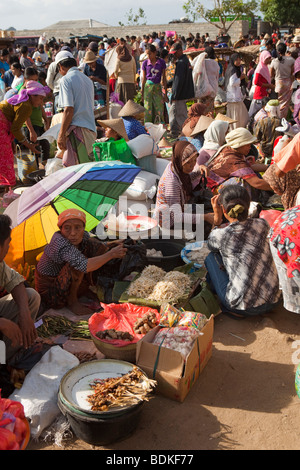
(240, 266)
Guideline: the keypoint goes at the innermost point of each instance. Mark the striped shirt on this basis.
(245, 250)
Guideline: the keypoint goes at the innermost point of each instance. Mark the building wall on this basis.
(238, 28)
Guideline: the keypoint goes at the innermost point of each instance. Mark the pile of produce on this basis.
(146, 323)
(13, 428)
(59, 325)
(198, 255)
(130, 389)
(113, 334)
(155, 284)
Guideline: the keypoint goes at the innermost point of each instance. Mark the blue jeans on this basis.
(218, 280)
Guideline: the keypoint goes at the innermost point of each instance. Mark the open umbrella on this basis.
(91, 187)
(29, 238)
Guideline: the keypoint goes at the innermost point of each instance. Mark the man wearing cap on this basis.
(96, 71)
(76, 97)
(182, 90)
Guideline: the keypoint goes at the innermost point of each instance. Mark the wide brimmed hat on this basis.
(296, 39)
(222, 117)
(239, 137)
(115, 124)
(89, 57)
(202, 124)
(267, 36)
(131, 108)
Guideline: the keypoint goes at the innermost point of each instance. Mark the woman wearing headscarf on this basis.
(296, 113)
(125, 73)
(265, 130)
(194, 113)
(230, 164)
(234, 76)
(175, 188)
(13, 114)
(214, 138)
(282, 70)
(262, 82)
(63, 274)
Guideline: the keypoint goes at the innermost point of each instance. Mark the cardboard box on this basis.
(174, 375)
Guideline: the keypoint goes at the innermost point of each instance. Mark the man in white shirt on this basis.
(76, 97)
(40, 57)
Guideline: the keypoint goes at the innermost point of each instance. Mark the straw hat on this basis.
(267, 36)
(202, 124)
(296, 39)
(222, 117)
(89, 57)
(131, 108)
(115, 124)
(239, 137)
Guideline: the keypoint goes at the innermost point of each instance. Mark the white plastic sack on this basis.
(161, 165)
(39, 391)
(114, 109)
(143, 145)
(51, 134)
(144, 186)
(53, 165)
(201, 83)
(157, 131)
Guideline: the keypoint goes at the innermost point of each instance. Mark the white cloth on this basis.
(234, 92)
(214, 136)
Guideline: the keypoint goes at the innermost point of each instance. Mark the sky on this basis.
(38, 14)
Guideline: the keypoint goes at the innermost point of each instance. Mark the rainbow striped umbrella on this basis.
(90, 187)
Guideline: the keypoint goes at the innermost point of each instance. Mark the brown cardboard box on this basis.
(174, 376)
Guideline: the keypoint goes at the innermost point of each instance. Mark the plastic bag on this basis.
(120, 317)
(53, 165)
(156, 131)
(9, 197)
(38, 394)
(26, 165)
(113, 150)
(201, 83)
(178, 338)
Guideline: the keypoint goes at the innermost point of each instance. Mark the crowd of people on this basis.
(238, 132)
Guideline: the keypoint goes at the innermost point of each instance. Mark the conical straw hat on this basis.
(115, 124)
(131, 108)
(202, 124)
(222, 117)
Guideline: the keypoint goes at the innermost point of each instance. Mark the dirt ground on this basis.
(245, 398)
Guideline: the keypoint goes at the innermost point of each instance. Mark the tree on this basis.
(222, 10)
(281, 12)
(135, 18)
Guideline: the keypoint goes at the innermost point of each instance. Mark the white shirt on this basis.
(76, 90)
(17, 81)
(234, 92)
(44, 58)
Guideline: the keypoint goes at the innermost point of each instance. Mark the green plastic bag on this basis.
(113, 150)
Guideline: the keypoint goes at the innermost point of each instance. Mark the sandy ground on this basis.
(245, 399)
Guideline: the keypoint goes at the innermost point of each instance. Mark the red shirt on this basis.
(259, 92)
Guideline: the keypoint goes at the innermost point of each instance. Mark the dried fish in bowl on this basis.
(130, 389)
